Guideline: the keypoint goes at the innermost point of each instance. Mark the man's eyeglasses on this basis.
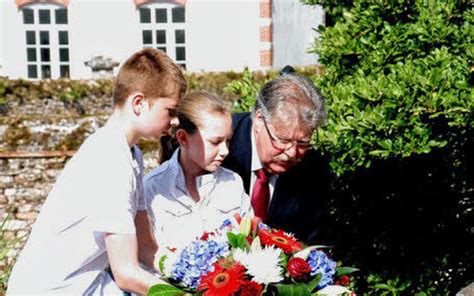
(284, 144)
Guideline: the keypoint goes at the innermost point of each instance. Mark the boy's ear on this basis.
(182, 137)
(138, 103)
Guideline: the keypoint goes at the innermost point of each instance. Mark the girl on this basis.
(191, 192)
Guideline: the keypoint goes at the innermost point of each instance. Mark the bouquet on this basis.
(245, 257)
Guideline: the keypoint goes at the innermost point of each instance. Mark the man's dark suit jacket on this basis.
(297, 204)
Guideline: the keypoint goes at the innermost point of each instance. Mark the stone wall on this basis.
(45, 98)
(24, 184)
(55, 106)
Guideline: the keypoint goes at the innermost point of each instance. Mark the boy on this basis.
(87, 222)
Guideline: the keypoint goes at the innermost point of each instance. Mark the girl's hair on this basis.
(196, 105)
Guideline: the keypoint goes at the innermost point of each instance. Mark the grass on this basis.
(6, 245)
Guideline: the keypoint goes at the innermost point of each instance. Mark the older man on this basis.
(271, 151)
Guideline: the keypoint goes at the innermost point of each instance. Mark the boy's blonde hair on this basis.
(151, 72)
(197, 104)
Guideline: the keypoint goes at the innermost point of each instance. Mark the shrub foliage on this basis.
(398, 79)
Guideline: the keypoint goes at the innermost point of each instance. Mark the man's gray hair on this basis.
(289, 93)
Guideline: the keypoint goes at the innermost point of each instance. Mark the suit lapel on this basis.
(240, 154)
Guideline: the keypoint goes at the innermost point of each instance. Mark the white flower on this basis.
(218, 237)
(168, 261)
(261, 264)
(303, 254)
(333, 290)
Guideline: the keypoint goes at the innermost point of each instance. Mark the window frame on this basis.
(170, 28)
(51, 67)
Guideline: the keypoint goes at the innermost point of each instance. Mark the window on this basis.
(30, 38)
(32, 71)
(45, 55)
(31, 54)
(45, 71)
(28, 16)
(64, 54)
(179, 36)
(178, 15)
(145, 15)
(164, 27)
(63, 38)
(147, 37)
(44, 16)
(161, 36)
(61, 16)
(180, 54)
(64, 71)
(47, 41)
(161, 15)
(44, 37)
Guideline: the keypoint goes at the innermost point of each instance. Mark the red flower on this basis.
(250, 288)
(298, 268)
(249, 239)
(206, 235)
(222, 281)
(238, 218)
(255, 222)
(280, 239)
(344, 280)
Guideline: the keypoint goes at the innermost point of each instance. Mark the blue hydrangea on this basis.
(196, 260)
(320, 263)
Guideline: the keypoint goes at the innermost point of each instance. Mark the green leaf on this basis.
(237, 240)
(164, 290)
(314, 282)
(161, 263)
(345, 270)
(382, 286)
(232, 238)
(293, 290)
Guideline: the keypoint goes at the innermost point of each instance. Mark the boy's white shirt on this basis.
(176, 218)
(99, 191)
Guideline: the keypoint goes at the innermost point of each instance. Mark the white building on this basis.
(63, 38)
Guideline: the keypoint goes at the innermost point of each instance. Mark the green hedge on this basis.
(398, 79)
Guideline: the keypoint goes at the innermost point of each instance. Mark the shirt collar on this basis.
(178, 171)
(204, 183)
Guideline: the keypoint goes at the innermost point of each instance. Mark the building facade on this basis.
(83, 39)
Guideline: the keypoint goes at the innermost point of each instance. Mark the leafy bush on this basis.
(397, 79)
(246, 91)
